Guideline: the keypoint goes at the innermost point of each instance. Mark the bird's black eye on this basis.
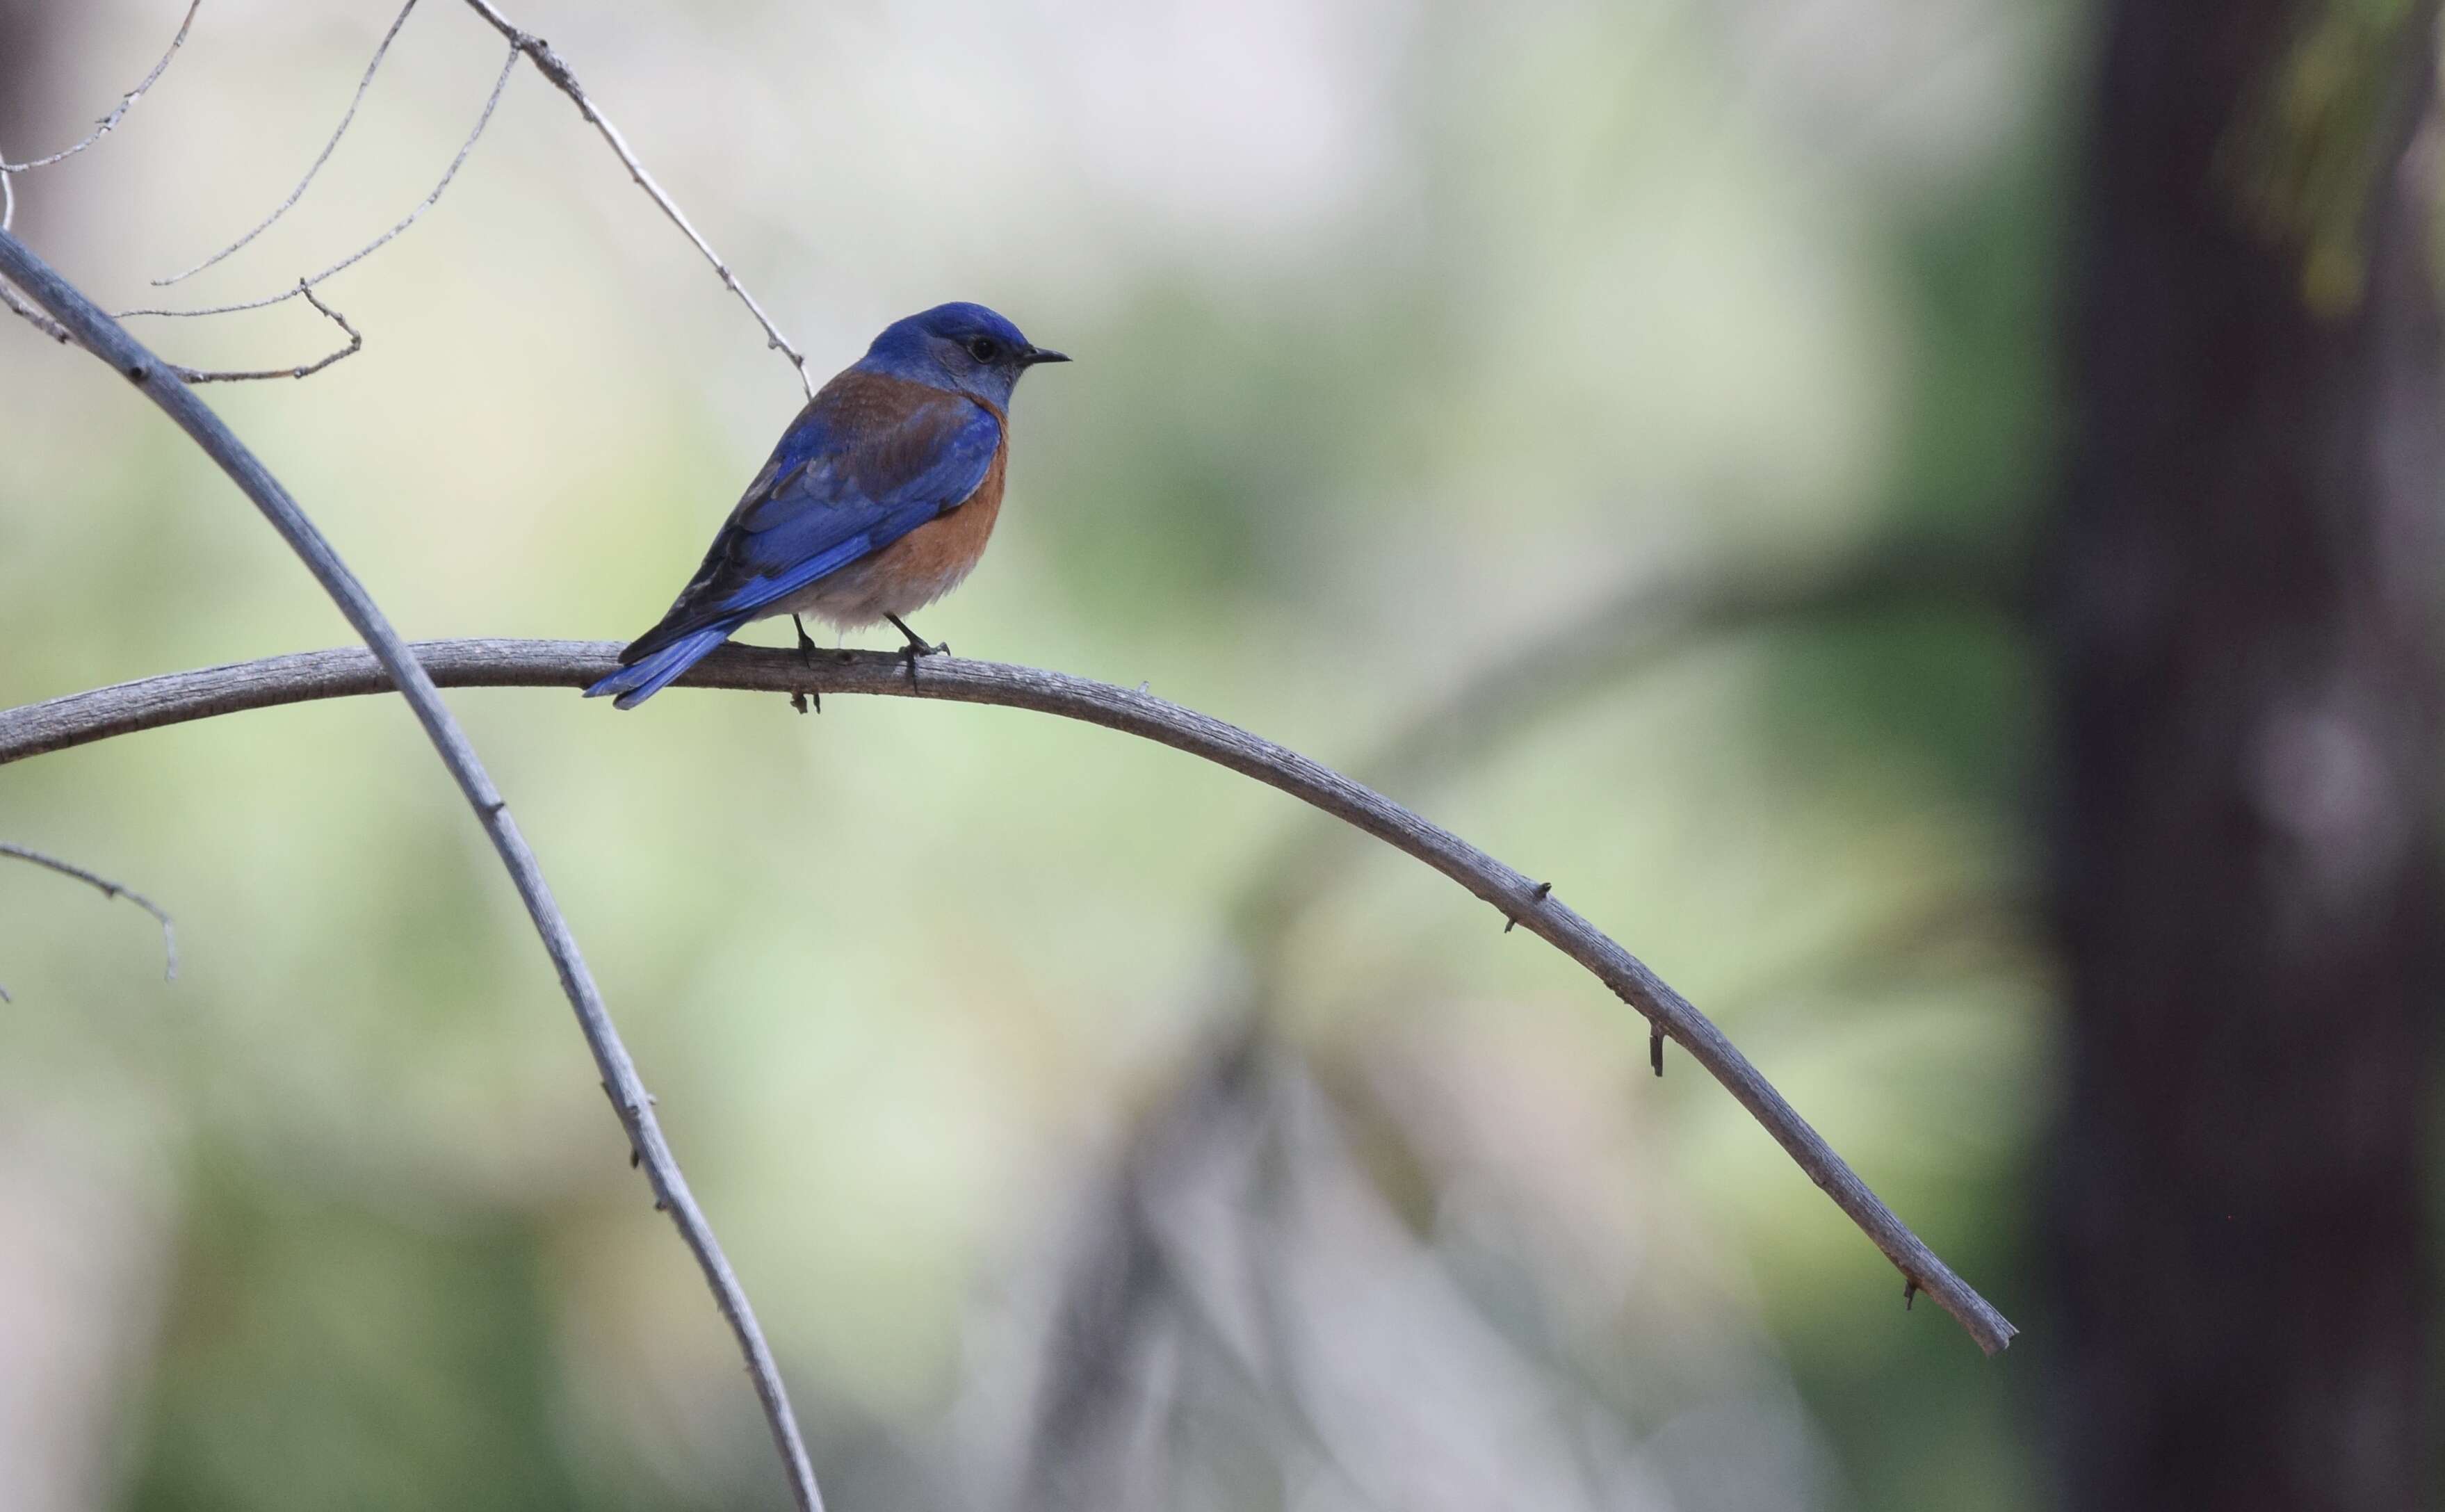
(983, 349)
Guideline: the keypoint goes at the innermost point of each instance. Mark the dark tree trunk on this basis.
(2246, 596)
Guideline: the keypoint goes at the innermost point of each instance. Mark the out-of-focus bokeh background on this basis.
(1721, 458)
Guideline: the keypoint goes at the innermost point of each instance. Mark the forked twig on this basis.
(356, 345)
(550, 64)
(325, 155)
(509, 65)
(109, 889)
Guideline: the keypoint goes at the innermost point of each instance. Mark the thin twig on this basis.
(17, 306)
(325, 155)
(127, 102)
(36, 318)
(83, 718)
(108, 341)
(109, 889)
(356, 345)
(509, 65)
(552, 66)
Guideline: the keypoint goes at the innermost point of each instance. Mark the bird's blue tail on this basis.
(635, 685)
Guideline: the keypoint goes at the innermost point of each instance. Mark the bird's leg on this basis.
(916, 646)
(916, 642)
(806, 654)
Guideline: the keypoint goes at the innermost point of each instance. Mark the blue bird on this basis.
(878, 500)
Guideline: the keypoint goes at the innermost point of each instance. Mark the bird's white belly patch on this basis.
(862, 593)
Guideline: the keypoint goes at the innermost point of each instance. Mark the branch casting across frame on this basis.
(83, 717)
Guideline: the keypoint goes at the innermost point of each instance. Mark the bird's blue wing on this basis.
(868, 462)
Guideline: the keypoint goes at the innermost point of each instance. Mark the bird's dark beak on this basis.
(1043, 354)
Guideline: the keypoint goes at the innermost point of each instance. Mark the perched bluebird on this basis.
(877, 501)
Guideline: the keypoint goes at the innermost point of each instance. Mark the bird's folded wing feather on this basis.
(870, 460)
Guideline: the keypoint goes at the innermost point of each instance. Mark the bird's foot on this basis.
(917, 644)
(916, 647)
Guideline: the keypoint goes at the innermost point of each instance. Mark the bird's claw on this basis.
(916, 647)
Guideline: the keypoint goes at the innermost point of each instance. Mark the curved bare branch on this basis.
(109, 889)
(1626, 633)
(160, 382)
(83, 717)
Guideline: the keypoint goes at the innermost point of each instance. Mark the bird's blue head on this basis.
(960, 346)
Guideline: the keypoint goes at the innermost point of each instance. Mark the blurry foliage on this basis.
(2306, 156)
(386, 1363)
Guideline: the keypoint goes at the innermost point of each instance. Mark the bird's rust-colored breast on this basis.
(930, 560)
(951, 544)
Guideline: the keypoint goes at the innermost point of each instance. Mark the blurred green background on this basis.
(1412, 339)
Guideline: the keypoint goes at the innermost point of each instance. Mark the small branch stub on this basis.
(1539, 894)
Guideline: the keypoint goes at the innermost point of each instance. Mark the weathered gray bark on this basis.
(2246, 595)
